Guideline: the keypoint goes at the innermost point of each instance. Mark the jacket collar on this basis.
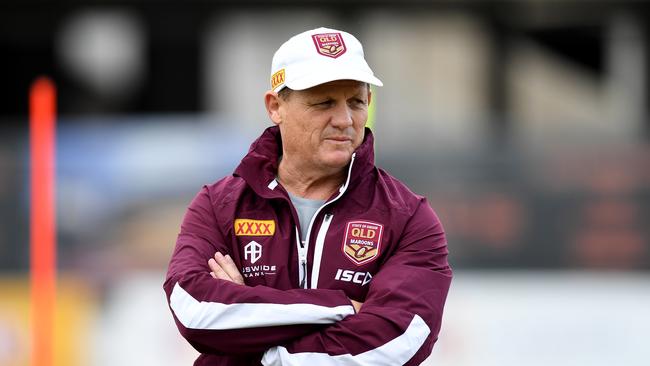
(260, 165)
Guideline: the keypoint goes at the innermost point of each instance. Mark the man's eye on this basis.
(358, 102)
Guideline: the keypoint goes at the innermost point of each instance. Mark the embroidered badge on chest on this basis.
(362, 241)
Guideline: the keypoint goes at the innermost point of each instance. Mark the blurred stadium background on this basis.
(524, 122)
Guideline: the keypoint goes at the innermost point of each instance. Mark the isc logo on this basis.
(361, 278)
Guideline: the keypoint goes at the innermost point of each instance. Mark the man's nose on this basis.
(342, 115)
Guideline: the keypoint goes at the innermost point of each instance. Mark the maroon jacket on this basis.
(374, 241)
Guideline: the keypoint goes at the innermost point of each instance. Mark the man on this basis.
(308, 254)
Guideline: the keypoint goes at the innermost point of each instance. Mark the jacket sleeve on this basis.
(401, 316)
(221, 317)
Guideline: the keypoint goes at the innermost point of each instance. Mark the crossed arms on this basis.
(222, 267)
(397, 323)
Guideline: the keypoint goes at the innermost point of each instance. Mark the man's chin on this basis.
(337, 160)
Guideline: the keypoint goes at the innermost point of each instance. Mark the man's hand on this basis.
(224, 268)
(356, 305)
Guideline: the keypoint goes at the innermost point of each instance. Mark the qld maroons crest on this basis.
(329, 44)
(362, 241)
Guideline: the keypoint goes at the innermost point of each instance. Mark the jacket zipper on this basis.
(302, 260)
(318, 249)
(322, 232)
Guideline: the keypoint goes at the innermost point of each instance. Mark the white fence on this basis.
(502, 318)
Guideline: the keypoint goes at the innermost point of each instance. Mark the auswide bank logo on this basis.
(253, 252)
(362, 241)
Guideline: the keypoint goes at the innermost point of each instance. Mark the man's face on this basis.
(322, 126)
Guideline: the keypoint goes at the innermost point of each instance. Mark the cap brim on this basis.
(328, 74)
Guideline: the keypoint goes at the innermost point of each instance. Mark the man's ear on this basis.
(272, 102)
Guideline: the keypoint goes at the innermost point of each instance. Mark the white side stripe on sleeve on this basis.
(395, 352)
(196, 314)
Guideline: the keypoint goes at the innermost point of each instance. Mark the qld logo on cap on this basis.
(329, 44)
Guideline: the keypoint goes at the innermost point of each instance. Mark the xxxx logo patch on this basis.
(248, 227)
(362, 241)
(329, 44)
(277, 79)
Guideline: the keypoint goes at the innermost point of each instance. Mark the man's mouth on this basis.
(339, 138)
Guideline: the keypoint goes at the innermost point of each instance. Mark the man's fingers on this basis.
(228, 265)
(225, 268)
(357, 305)
(217, 271)
(237, 277)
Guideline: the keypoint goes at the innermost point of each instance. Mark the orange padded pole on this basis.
(42, 132)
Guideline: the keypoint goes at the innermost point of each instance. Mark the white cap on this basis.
(318, 56)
